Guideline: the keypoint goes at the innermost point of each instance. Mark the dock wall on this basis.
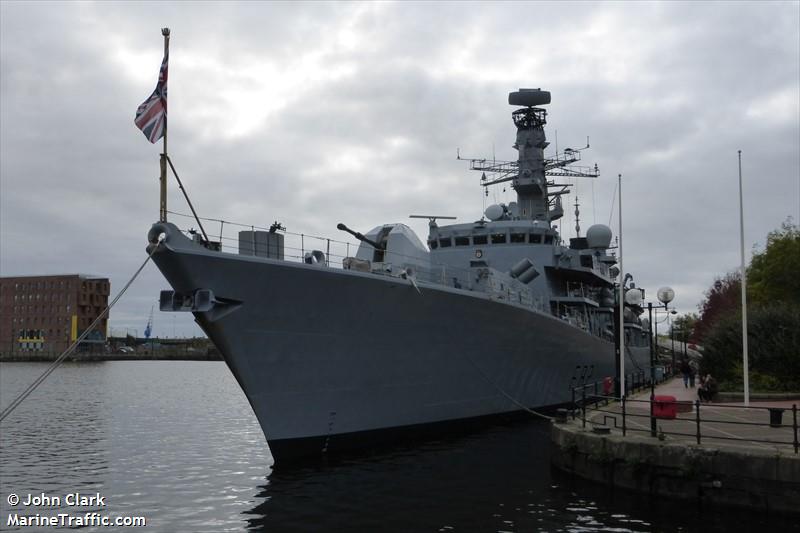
(752, 479)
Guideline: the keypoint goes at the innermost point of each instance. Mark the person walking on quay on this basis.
(692, 372)
(685, 370)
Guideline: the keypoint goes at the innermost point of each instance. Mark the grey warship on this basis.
(486, 318)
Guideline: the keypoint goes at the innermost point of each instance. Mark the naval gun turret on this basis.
(360, 237)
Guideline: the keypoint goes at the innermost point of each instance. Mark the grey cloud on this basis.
(663, 90)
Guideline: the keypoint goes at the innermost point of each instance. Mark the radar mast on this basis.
(537, 197)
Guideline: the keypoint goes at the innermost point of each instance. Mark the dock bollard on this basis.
(775, 417)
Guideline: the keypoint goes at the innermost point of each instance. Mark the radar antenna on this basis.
(432, 218)
(539, 198)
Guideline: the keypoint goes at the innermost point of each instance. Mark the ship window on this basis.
(462, 241)
(586, 261)
(434, 245)
(444, 243)
(498, 238)
(517, 237)
(548, 239)
(479, 239)
(535, 238)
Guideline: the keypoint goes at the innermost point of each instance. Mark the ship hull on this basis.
(332, 360)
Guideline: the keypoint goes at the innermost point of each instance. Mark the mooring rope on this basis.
(38, 381)
(504, 393)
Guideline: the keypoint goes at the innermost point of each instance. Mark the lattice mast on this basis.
(537, 197)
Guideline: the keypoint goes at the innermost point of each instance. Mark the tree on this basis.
(723, 298)
(773, 295)
(773, 333)
(773, 274)
(683, 327)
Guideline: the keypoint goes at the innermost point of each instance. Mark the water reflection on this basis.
(177, 442)
(50, 434)
(496, 480)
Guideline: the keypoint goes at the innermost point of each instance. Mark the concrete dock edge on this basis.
(758, 480)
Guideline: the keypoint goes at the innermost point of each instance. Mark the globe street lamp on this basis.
(665, 296)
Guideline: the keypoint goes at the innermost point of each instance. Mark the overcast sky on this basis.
(318, 113)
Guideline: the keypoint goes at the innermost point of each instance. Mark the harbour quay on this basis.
(714, 454)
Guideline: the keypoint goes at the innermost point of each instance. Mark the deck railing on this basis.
(296, 245)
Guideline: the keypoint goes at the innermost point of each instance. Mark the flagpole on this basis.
(744, 290)
(163, 179)
(621, 300)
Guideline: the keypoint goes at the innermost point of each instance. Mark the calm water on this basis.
(176, 442)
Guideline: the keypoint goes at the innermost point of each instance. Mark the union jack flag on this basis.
(151, 116)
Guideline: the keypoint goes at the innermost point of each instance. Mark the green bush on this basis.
(773, 349)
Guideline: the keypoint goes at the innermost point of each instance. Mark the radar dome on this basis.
(494, 212)
(633, 297)
(598, 237)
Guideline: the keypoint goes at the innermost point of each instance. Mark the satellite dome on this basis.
(494, 212)
(598, 237)
(633, 297)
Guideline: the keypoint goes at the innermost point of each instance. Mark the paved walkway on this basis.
(674, 387)
(729, 425)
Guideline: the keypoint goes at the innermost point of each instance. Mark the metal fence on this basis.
(696, 424)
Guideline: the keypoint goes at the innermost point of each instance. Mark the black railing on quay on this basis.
(604, 389)
(694, 425)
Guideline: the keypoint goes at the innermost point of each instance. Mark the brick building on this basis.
(47, 313)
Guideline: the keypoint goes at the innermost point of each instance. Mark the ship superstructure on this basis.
(491, 317)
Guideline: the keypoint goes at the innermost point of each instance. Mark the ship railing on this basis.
(685, 419)
(296, 246)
